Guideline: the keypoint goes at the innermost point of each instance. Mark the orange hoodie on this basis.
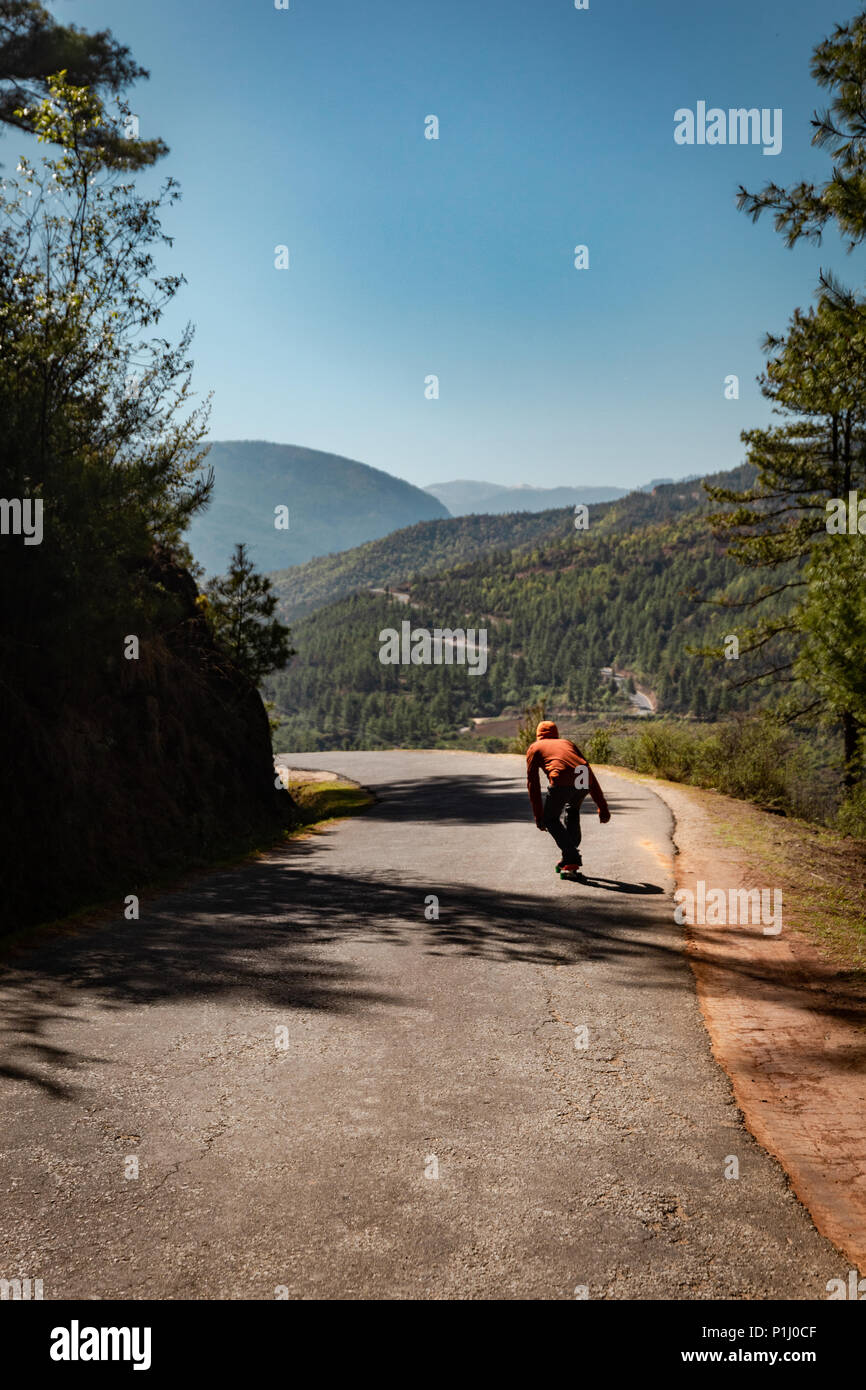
(560, 759)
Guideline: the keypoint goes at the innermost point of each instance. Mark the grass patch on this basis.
(822, 877)
(822, 874)
(319, 802)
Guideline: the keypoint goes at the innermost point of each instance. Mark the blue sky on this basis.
(455, 257)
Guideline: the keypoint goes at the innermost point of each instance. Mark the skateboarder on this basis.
(570, 779)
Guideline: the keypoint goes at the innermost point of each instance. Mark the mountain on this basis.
(431, 547)
(422, 549)
(464, 496)
(558, 609)
(666, 482)
(333, 503)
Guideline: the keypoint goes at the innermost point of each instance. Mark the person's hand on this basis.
(604, 816)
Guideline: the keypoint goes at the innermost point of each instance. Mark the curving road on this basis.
(330, 1094)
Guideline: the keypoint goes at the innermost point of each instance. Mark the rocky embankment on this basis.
(156, 765)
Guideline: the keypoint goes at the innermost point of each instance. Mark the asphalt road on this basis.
(330, 1095)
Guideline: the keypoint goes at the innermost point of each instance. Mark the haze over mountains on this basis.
(465, 496)
(334, 503)
(468, 496)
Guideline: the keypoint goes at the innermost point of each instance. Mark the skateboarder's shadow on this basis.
(614, 885)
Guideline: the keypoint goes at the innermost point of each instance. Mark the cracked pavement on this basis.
(286, 1046)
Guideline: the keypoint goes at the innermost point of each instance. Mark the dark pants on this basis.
(567, 836)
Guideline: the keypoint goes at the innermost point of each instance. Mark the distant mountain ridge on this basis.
(424, 548)
(469, 496)
(465, 496)
(334, 503)
(560, 607)
(432, 547)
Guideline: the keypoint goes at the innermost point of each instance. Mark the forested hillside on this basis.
(556, 612)
(424, 548)
(433, 546)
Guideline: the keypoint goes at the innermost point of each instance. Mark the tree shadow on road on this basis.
(466, 800)
(279, 932)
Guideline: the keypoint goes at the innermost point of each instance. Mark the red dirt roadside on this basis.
(786, 1014)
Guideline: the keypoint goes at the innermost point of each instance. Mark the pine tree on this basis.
(838, 64)
(832, 618)
(34, 48)
(241, 605)
(816, 377)
(829, 462)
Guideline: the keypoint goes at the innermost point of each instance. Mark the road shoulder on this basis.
(786, 1013)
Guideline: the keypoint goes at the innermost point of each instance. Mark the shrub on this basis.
(532, 717)
(851, 819)
(599, 746)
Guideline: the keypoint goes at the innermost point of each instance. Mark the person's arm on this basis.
(533, 786)
(597, 795)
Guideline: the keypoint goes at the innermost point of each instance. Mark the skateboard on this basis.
(575, 875)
